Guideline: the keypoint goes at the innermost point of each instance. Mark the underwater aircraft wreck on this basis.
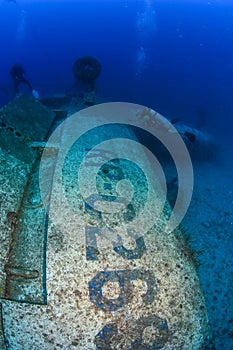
(87, 263)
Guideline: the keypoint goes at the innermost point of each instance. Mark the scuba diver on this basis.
(17, 73)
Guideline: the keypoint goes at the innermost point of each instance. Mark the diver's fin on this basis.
(172, 187)
(174, 121)
(35, 94)
(173, 181)
(190, 136)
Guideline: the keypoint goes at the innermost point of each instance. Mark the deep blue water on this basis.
(174, 56)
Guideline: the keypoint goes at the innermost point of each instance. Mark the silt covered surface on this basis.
(134, 293)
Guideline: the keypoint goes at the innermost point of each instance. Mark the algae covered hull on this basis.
(92, 256)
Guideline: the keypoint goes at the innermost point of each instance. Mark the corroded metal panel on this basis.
(25, 267)
(27, 117)
(23, 121)
(117, 276)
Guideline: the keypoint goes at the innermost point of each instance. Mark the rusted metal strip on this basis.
(2, 339)
(25, 268)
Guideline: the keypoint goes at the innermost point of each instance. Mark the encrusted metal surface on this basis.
(23, 269)
(2, 340)
(107, 288)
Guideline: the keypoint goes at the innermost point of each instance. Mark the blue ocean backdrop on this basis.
(175, 56)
